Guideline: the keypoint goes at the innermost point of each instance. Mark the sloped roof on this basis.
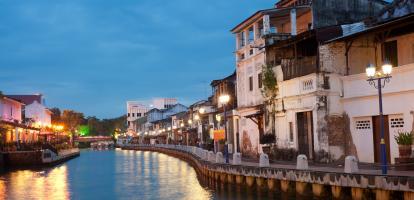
(27, 99)
(217, 81)
(396, 22)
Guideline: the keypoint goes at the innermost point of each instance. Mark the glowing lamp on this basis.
(387, 68)
(370, 70)
(202, 110)
(224, 99)
(218, 118)
(196, 117)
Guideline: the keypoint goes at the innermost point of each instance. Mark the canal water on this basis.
(121, 174)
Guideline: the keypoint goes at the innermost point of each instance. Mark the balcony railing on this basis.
(293, 68)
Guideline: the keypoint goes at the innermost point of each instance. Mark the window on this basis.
(260, 81)
(242, 39)
(241, 56)
(391, 52)
(129, 114)
(251, 52)
(251, 34)
(251, 83)
(133, 114)
(138, 114)
(291, 131)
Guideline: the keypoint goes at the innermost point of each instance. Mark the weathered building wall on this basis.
(329, 60)
(334, 12)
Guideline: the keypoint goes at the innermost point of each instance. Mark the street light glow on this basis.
(202, 110)
(370, 70)
(196, 117)
(218, 118)
(387, 68)
(224, 99)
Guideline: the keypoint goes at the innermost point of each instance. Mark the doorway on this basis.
(305, 133)
(377, 138)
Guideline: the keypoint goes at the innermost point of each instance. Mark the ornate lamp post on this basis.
(378, 80)
(224, 99)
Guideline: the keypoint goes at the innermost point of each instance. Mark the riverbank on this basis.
(319, 181)
(38, 158)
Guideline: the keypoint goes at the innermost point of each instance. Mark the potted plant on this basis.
(221, 144)
(404, 141)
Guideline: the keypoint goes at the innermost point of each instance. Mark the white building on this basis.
(35, 109)
(287, 38)
(135, 110)
(164, 103)
(10, 109)
(359, 98)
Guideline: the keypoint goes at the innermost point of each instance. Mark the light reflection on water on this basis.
(120, 175)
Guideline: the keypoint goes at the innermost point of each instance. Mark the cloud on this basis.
(94, 55)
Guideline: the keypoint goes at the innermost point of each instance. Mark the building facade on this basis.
(388, 38)
(287, 39)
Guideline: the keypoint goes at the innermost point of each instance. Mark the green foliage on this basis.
(83, 130)
(269, 82)
(404, 138)
(72, 119)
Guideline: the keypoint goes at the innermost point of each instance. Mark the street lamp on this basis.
(378, 80)
(224, 99)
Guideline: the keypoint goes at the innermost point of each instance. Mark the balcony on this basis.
(293, 68)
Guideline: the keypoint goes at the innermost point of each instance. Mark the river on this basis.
(121, 174)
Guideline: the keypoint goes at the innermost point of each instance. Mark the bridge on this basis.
(88, 139)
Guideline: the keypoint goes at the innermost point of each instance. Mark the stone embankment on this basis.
(38, 158)
(300, 179)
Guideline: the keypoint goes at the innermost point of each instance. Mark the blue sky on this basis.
(94, 55)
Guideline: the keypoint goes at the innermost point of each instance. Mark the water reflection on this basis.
(123, 175)
(29, 184)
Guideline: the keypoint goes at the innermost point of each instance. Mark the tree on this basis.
(56, 115)
(95, 126)
(270, 92)
(72, 119)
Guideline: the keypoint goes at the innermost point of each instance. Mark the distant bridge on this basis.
(93, 139)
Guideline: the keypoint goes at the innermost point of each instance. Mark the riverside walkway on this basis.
(318, 179)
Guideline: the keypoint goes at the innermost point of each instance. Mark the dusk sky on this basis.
(94, 55)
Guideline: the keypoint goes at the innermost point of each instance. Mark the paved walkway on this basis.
(339, 169)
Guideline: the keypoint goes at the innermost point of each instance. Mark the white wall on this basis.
(361, 102)
(38, 113)
(10, 110)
